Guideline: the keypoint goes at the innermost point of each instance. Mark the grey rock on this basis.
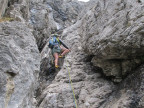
(87, 85)
(50, 16)
(111, 31)
(65, 12)
(129, 94)
(107, 37)
(42, 21)
(3, 6)
(18, 10)
(19, 66)
(104, 37)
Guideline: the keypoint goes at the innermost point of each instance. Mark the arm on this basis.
(63, 44)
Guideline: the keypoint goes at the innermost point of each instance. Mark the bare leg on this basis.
(56, 59)
(64, 51)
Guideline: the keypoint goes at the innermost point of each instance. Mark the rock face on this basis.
(112, 32)
(3, 6)
(106, 42)
(19, 65)
(90, 89)
(129, 94)
(108, 38)
(20, 58)
(42, 21)
(65, 12)
(50, 16)
(18, 10)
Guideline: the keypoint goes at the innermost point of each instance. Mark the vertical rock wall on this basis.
(19, 65)
(19, 57)
(3, 6)
(108, 35)
(89, 87)
(112, 32)
(18, 10)
(50, 16)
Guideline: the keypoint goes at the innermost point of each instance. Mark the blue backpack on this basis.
(53, 41)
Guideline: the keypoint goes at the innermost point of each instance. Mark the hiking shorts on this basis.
(56, 49)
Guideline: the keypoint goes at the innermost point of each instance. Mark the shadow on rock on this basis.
(47, 74)
(48, 71)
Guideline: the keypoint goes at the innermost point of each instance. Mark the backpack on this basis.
(53, 41)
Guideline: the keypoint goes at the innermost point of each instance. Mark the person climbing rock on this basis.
(59, 49)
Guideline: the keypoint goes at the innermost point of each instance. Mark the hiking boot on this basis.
(56, 66)
(60, 56)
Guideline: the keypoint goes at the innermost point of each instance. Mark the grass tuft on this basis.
(4, 19)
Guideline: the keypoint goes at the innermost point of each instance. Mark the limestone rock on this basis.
(65, 12)
(112, 31)
(19, 65)
(50, 16)
(3, 6)
(104, 37)
(42, 21)
(89, 88)
(18, 10)
(130, 92)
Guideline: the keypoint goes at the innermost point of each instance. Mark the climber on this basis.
(58, 51)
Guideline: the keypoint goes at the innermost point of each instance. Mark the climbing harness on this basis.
(71, 85)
